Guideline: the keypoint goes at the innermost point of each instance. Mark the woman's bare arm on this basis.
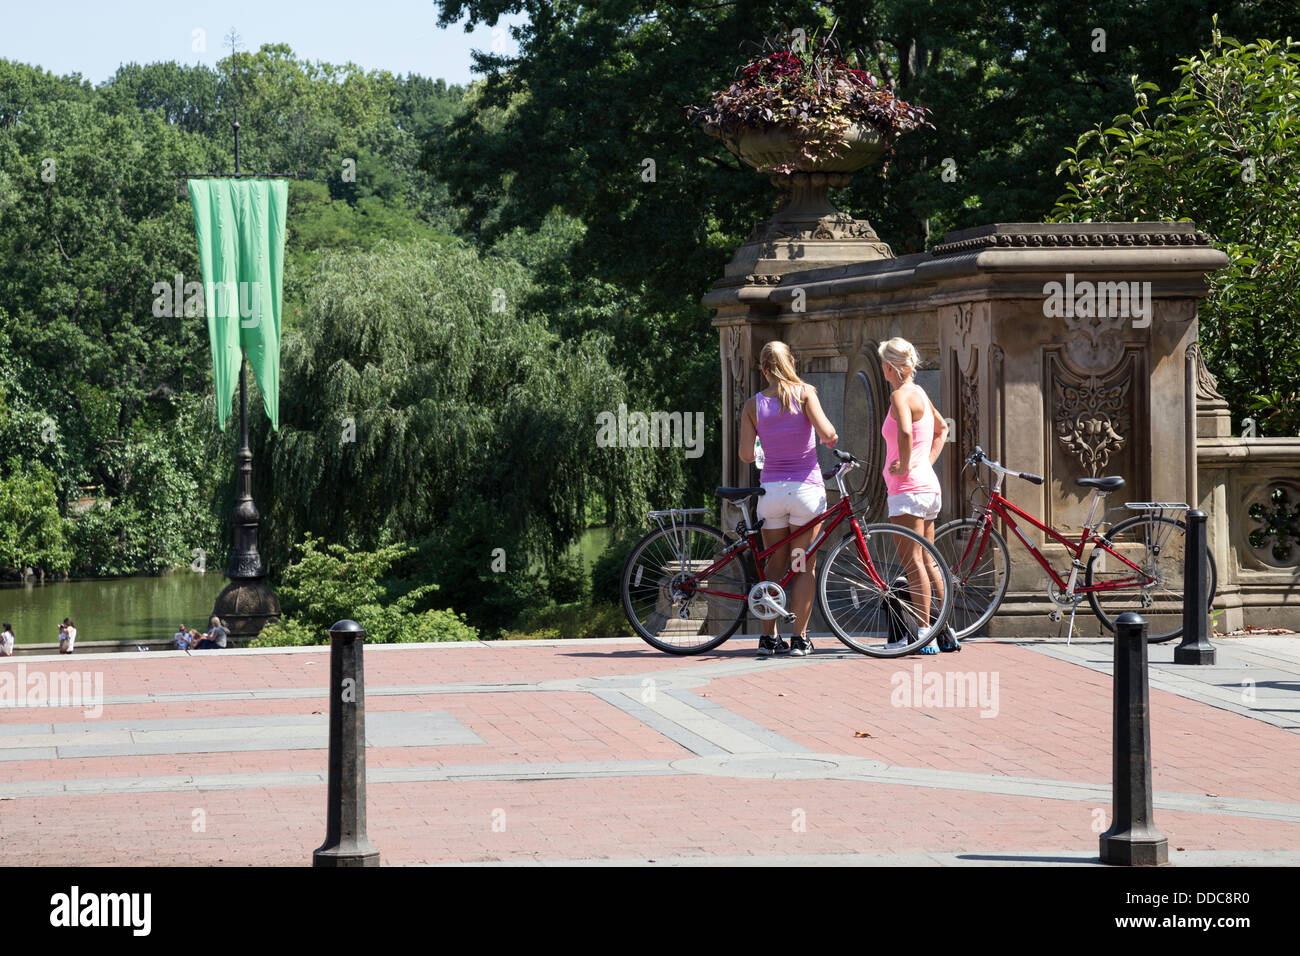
(748, 432)
(903, 414)
(812, 407)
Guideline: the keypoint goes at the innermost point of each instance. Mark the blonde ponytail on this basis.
(777, 361)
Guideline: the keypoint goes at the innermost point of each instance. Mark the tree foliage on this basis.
(33, 534)
(1224, 153)
(420, 399)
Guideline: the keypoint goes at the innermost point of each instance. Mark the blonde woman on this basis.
(785, 416)
(914, 434)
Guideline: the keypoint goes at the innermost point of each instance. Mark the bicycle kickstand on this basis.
(1069, 635)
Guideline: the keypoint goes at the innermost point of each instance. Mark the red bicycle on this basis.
(1135, 565)
(686, 588)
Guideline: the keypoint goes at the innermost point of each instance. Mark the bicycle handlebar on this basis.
(980, 458)
(847, 462)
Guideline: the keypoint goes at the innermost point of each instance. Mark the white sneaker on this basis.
(921, 635)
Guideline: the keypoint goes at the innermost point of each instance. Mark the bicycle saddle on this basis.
(1112, 483)
(736, 494)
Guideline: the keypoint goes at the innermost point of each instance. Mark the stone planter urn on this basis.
(807, 228)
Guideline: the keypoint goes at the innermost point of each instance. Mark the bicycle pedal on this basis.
(1054, 616)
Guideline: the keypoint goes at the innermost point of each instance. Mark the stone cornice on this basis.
(1064, 235)
(1231, 450)
(997, 261)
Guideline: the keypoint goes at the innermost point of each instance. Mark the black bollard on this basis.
(1132, 839)
(345, 828)
(1195, 647)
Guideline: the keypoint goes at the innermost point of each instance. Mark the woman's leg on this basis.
(936, 578)
(801, 587)
(917, 570)
(778, 562)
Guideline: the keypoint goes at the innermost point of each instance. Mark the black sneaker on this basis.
(948, 640)
(766, 646)
(781, 646)
(800, 646)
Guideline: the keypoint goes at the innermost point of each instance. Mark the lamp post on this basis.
(247, 603)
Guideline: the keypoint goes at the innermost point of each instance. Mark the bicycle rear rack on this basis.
(672, 516)
(1159, 509)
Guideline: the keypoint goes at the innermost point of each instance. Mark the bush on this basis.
(607, 572)
(287, 633)
(332, 584)
(392, 625)
(567, 581)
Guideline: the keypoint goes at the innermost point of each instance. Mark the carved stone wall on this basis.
(1250, 489)
(1085, 391)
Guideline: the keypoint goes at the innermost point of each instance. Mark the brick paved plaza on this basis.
(610, 752)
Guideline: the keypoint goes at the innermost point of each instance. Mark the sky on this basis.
(94, 37)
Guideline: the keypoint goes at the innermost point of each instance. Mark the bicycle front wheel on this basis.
(872, 603)
(1158, 546)
(661, 592)
(977, 557)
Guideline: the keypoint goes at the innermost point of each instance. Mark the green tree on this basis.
(32, 532)
(1224, 153)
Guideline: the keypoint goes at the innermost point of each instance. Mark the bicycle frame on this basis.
(1004, 509)
(841, 510)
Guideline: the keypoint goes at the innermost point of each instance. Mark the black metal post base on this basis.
(358, 854)
(1144, 847)
(247, 606)
(1195, 653)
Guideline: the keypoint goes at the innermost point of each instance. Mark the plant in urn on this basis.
(807, 115)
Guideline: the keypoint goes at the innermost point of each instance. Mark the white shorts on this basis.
(786, 503)
(922, 504)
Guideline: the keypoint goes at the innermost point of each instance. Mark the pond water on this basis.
(142, 608)
(110, 609)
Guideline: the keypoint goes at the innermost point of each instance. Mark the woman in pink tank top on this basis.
(914, 434)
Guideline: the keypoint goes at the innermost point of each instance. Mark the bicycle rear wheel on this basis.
(867, 600)
(980, 570)
(1157, 545)
(676, 620)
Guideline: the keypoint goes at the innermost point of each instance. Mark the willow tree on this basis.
(421, 403)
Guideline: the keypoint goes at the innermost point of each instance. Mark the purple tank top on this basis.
(789, 442)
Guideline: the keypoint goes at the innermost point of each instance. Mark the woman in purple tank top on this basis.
(784, 417)
(914, 434)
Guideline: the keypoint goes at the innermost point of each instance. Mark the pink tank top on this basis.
(921, 478)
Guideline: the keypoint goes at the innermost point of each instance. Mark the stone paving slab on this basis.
(567, 752)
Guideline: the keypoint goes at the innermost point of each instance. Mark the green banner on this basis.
(240, 225)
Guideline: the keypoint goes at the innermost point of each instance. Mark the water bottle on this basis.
(758, 454)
